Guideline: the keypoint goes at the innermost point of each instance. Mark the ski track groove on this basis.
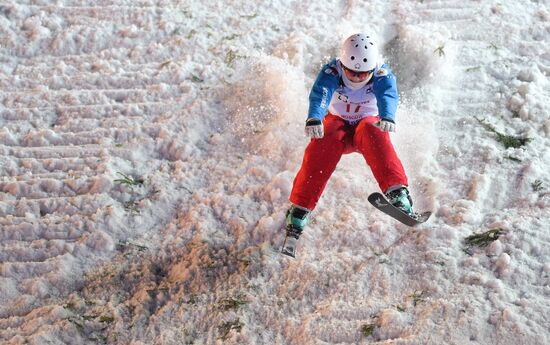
(87, 106)
(83, 65)
(30, 269)
(58, 205)
(45, 221)
(52, 165)
(91, 86)
(95, 136)
(109, 123)
(104, 3)
(96, 12)
(72, 92)
(30, 176)
(62, 104)
(39, 232)
(35, 190)
(33, 251)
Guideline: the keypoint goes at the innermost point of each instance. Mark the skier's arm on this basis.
(385, 90)
(322, 90)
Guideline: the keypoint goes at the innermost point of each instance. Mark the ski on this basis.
(291, 242)
(289, 246)
(380, 202)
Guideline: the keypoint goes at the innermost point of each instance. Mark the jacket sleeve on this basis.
(385, 90)
(321, 93)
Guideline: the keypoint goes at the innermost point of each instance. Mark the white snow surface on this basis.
(202, 104)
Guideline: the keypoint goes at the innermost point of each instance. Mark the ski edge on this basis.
(375, 198)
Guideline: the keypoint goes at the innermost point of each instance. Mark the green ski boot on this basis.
(296, 220)
(401, 199)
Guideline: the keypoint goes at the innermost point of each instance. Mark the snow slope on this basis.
(149, 147)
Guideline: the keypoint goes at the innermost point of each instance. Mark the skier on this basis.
(352, 107)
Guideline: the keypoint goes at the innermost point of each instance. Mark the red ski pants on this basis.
(322, 156)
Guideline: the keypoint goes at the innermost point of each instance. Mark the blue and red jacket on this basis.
(329, 80)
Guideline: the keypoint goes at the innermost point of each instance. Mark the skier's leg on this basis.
(320, 159)
(375, 145)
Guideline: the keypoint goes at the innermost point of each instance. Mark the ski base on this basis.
(379, 201)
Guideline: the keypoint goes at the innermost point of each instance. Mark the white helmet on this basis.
(359, 53)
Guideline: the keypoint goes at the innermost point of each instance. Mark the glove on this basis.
(314, 128)
(385, 125)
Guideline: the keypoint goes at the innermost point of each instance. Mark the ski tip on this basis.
(288, 253)
(423, 217)
(374, 196)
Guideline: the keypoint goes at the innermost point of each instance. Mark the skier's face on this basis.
(355, 76)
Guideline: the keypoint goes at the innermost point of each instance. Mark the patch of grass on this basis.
(514, 159)
(211, 264)
(98, 339)
(368, 329)
(385, 261)
(468, 251)
(419, 296)
(399, 308)
(69, 306)
(230, 57)
(512, 141)
(189, 336)
(165, 63)
(196, 79)
(232, 37)
(537, 186)
(250, 16)
(185, 188)
(191, 33)
(483, 239)
(106, 319)
(506, 140)
(128, 180)
(229, 326)
(76, 323)
(244, 261)
(473, 69)
(231, 303)
(440, 50)
(131, 207)
(121, 245)
(193, 299)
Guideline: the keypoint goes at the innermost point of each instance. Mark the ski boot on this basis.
(401, 199)
(296, 220)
